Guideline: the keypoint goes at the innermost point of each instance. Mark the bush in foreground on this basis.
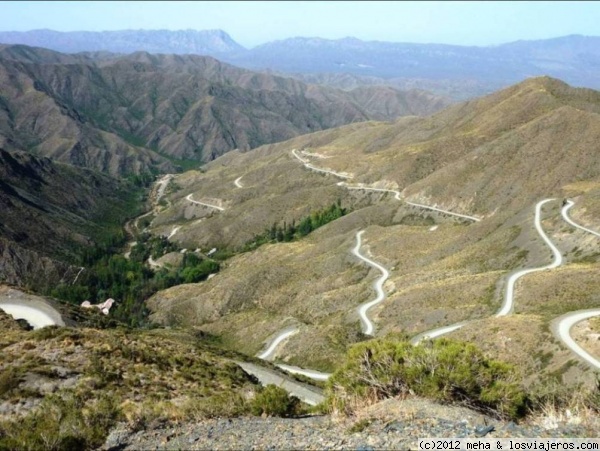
(62, 423)
(275, 401)
(442, 370)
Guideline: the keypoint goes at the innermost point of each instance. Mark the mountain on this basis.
(449, 70)
(130, 114)
(574, 59)
(458, 90)
(492, 159)
(411, 225)
(48, 212)
(205, 42)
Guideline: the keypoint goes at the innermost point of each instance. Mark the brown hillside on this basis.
(125, 114)
(495, 158)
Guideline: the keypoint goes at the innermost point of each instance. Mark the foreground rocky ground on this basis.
(392, 424)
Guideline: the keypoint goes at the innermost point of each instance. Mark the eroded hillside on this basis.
(130, 114)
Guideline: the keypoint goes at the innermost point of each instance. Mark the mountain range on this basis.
(459, 71)
(129, 114)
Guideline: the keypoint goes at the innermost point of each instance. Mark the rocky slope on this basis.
(392, 424)
(61, 386)
(129, 114)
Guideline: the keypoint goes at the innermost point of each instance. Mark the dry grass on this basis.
(165, 369)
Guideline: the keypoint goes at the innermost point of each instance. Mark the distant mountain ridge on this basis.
(575, 59)
(209, 42)
(459, 71)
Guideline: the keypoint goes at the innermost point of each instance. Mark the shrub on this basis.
(9, 380)
(442, 370)
(275, 401)
(62, 423)
(225, 405)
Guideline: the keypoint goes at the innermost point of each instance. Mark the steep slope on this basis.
(493, 159)
(68, 387)
(47, 211)
(128, 114)
(35, 118)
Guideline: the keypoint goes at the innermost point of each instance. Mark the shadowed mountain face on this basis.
(47, 210)
(132, 113)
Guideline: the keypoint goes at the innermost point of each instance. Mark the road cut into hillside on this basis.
(508, 302)
(216, 207)
(368, 327)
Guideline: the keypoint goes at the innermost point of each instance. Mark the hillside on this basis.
(49, 211)
(67, 387)
(491, 160)
(142, 112)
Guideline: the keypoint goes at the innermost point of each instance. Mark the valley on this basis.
(254, 230)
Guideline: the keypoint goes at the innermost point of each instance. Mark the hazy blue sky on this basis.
(252, 23)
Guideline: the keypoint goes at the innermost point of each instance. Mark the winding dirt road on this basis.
(37, 318)
(317, 375)
(309, 394)
(507, 305)
(368, 327)
(431, 334)
(307, 164)
(398, 196)
(237, 182)
(565, 214)
(562, 326)
(161, 186)
(216, 207)
(267, 354)
(508, 302)
(81, 269)
(33, 309)
(283, 335)
(173, 232)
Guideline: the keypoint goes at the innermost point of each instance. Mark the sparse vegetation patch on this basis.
(442, 370)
